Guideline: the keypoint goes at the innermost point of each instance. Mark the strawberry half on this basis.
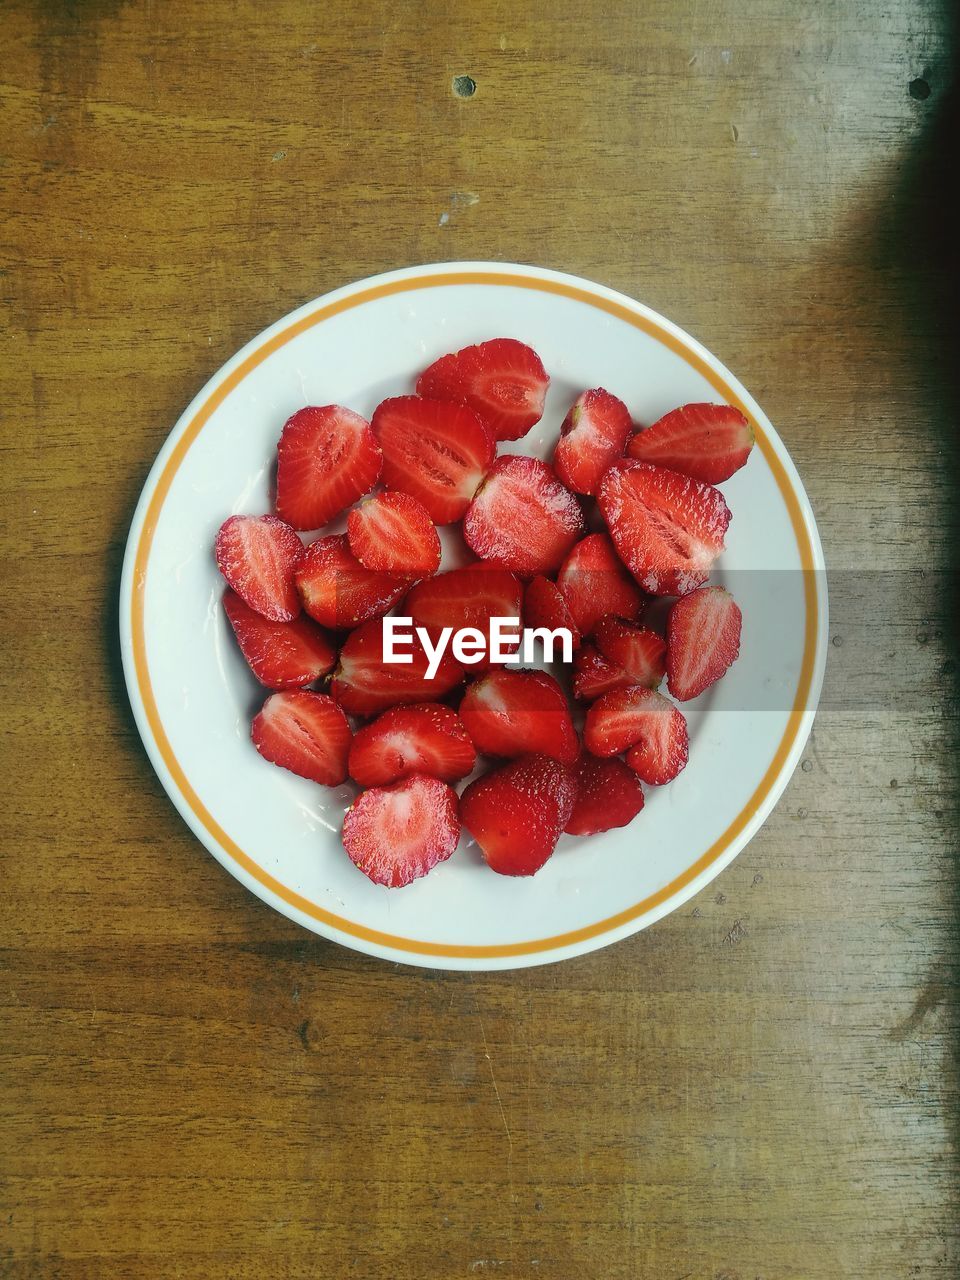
(593, 675)
(703, 640)
(594, 583)
(644, 721)
(435, 451)
(467, 597)
(327, 458)
(306, 733)
(365, 684)
(707, 441)
(515, 713)
(592, 437)
(282, 655)
(517, 813)
(668, 528)
(258, 555)
(392, 533)
(338, 591)
(396, 834)
(544, 606)
(637, 651)
(608, 795)
(503, 380)
(425, 738)
(522, 517)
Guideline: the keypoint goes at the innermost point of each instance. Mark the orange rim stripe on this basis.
(229, 846)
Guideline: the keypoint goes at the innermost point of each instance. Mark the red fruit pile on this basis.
(308, 614)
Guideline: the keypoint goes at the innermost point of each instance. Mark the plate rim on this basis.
(349, 933)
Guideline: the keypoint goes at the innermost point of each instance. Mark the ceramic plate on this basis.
(193, 697)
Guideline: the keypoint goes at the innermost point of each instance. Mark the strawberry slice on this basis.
(306, 733)
(608, 795)
(392, 533)
(592, 437)
(644, 721)
(668, 528)
(425, 738)
(503, 380)
(707, 441)
(544, 606)
(594, 583)
(436, 451)
(467, 597)
(258, 555)
(515, 713)
(282, 655)
(593, 675)
(396, 834)
(338, 591)
(327, 458)
(517, 813)
(638, 651)
(522, 517)
(703, 640)
(365, 684)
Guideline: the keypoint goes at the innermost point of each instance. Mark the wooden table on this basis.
(765, 1083)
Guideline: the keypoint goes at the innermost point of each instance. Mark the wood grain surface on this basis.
(764, 1085)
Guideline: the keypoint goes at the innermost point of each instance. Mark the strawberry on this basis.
(503, 380)
(396, 834)
(638, 651)
(467, 597)
(608, 795)
(593, 435)
(433, 450)
(282, 655)
(517, 813)
(338, 591)
(707, 441)
(515, 713)
(392, 533)
(594, 583)
(425, 738)
(306, 733)
(326, 459)
(668, 528)
(703, 640)
(365, 684)
(544, 606)
(522, 517)
(644, 721)
(258, 556)
(594, 675)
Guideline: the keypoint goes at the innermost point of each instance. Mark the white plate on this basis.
(193, 696)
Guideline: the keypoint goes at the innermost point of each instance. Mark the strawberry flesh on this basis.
(594, 583)
(593, 675)
(608, 795)
(466, 597)
(514, 713)
(258, 556)
(522, 517)
(703, 640)
(396, 834)
(282, 655)
(306, 733)
(517, 813)
(337, 591)
(393, 533)
(644, 723)
(544, 606)
(503, 380)
(707, 441)
(592, 437)
(637, 651)
(327, 458)
(365, 684)
(425, 738)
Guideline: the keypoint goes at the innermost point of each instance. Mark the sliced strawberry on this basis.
(338, 591)
(707, 441)
(515, 713)
(258, 555)
(503, 380)
(608, 795)
(282, 655)
(306, 733)
(668, 528)
(517, 813)
(522, 517)
(425, 738)
(594, 583)
(703, 640)
(592, 437)
(396, 834)
(644, 721)
(436, 451)
(544, 606)
(593, 675)
(392, 533)
(326, 459)
(365, 684)
(638, 651)
(467, 597)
